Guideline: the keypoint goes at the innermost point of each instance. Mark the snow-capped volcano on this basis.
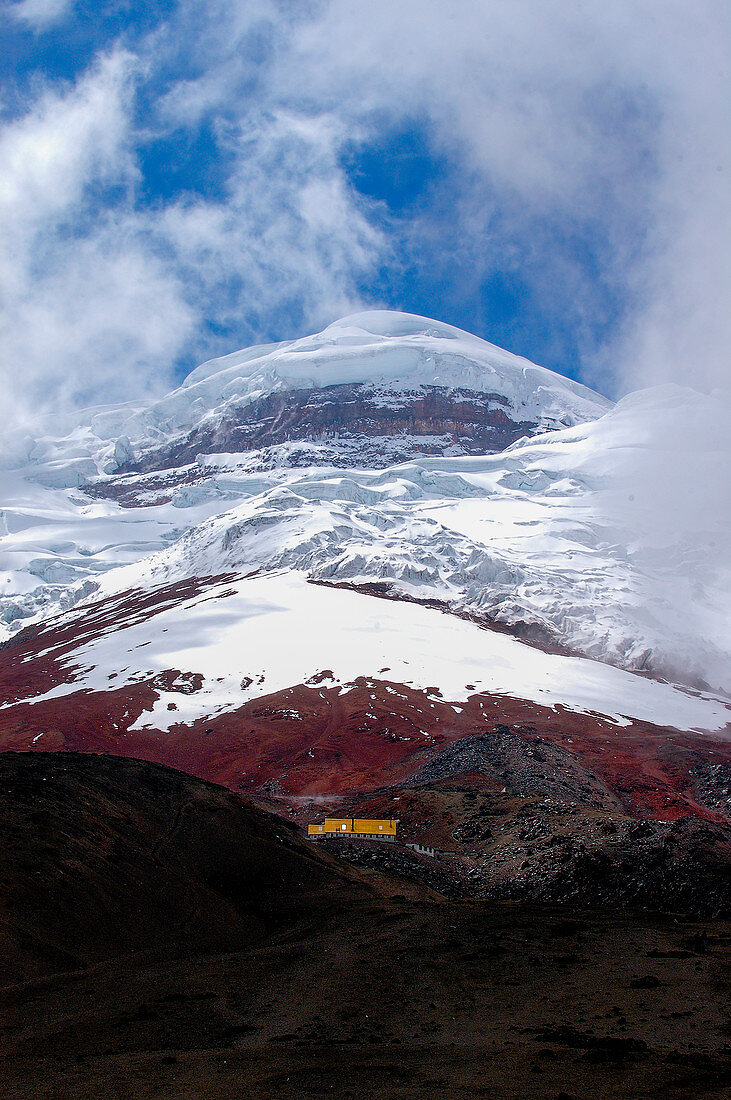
(390, 353)
(373, 456)
(370, 391)
(331, 566)
(378, 376)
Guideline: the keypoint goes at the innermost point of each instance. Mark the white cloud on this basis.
(289, 236)
(228, 66)
(99, 325)
(617, 114)
(101, 295)
(40, 13)
(49, 156)
(514, 89)
(89, 311)
(606, 121)
(681, 329)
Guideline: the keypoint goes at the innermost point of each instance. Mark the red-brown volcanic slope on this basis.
(316, 738)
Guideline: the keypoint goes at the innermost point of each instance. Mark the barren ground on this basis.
(162, 937)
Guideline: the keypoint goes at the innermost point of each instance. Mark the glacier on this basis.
(601, 533)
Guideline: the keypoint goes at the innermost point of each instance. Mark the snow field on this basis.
(609, 537)
(279, 630)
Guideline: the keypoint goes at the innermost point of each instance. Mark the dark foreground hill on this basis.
(160, 937)
(103, 856)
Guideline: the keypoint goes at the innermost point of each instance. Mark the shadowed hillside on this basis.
(162, 938)
(103, 856)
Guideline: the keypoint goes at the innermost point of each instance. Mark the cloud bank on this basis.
(39, 13)
(231, 173)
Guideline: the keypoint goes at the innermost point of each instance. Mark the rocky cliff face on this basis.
(354, 424)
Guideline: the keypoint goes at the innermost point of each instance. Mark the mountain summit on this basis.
(376, 387)
(371, 389)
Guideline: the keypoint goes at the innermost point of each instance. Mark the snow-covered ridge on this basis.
(398, 349)
(608, 538)
(393, 351)
(248, 638)
(567, 534)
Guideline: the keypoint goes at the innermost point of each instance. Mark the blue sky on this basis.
(183, 180)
